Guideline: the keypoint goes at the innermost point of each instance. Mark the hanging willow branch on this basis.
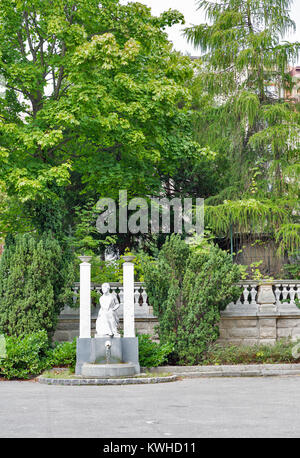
(246, 215)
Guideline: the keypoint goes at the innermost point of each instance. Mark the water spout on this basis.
(108, 351)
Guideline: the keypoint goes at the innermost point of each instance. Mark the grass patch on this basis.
(58, 373)
(279, 353)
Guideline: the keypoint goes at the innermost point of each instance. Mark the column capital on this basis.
(128, 258)
(85, 259)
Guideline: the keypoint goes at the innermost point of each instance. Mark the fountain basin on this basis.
(108, 370)
(92, 351)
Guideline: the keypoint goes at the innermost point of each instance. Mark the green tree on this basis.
(187, 288)
(35, 284)
(241, 111)
(96, 101)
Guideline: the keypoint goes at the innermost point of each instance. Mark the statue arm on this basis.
(116, 304)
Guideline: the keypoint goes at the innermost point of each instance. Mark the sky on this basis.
(193, 17)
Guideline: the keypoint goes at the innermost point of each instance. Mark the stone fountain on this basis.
(107, 354)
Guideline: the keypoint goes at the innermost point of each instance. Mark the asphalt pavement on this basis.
(189, 408)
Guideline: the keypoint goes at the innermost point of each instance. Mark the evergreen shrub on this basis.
(35, 283)
(188, 287)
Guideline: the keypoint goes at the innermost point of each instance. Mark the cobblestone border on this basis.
(102, 381)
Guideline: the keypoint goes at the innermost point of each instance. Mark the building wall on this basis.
(265, 252)
(294, 95)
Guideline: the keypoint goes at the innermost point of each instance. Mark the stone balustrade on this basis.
(141, 306)
(264, 313)
(283, 296)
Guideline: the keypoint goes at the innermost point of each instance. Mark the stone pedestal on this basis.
(93, 351)
(266, 299)
(99, 350)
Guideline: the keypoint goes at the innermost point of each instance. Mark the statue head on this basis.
(105, 288)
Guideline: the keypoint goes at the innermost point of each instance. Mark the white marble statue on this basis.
(107, 321)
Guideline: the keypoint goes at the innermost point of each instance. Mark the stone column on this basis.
(85, 297)
(265, 298)
(128, 284)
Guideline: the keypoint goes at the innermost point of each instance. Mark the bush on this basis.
(280, 352)
(63, 355)
(25, 356)
(187, 288)
(35, 283)
(152, 354)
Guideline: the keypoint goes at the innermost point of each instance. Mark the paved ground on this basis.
(191, 408)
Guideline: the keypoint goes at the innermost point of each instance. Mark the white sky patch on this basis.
(193, 17)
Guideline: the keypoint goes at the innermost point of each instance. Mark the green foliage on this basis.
(245, 215)
(292, 271)
(152, 354)
(96, 101)
(63, 355)
(87, 239)
(288, 237)
(187, 288)
(35, 284)
(241, 113)
(29, 355)
(280, 352)
(112, 271)
(26, 356)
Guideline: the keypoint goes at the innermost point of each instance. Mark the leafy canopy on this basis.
(96, 101)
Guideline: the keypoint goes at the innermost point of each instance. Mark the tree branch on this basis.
(32, 50)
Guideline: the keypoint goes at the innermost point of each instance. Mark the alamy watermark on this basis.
(152, 215)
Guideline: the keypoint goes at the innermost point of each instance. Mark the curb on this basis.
(102, 381)
(251, 370)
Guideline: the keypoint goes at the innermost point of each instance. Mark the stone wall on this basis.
(269, 314)
(235, 330)
(68, 326)
(253, 330)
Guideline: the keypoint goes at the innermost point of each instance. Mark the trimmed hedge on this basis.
(25, 356)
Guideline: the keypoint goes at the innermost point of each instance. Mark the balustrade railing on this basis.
(141, 306)
(286, 296)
